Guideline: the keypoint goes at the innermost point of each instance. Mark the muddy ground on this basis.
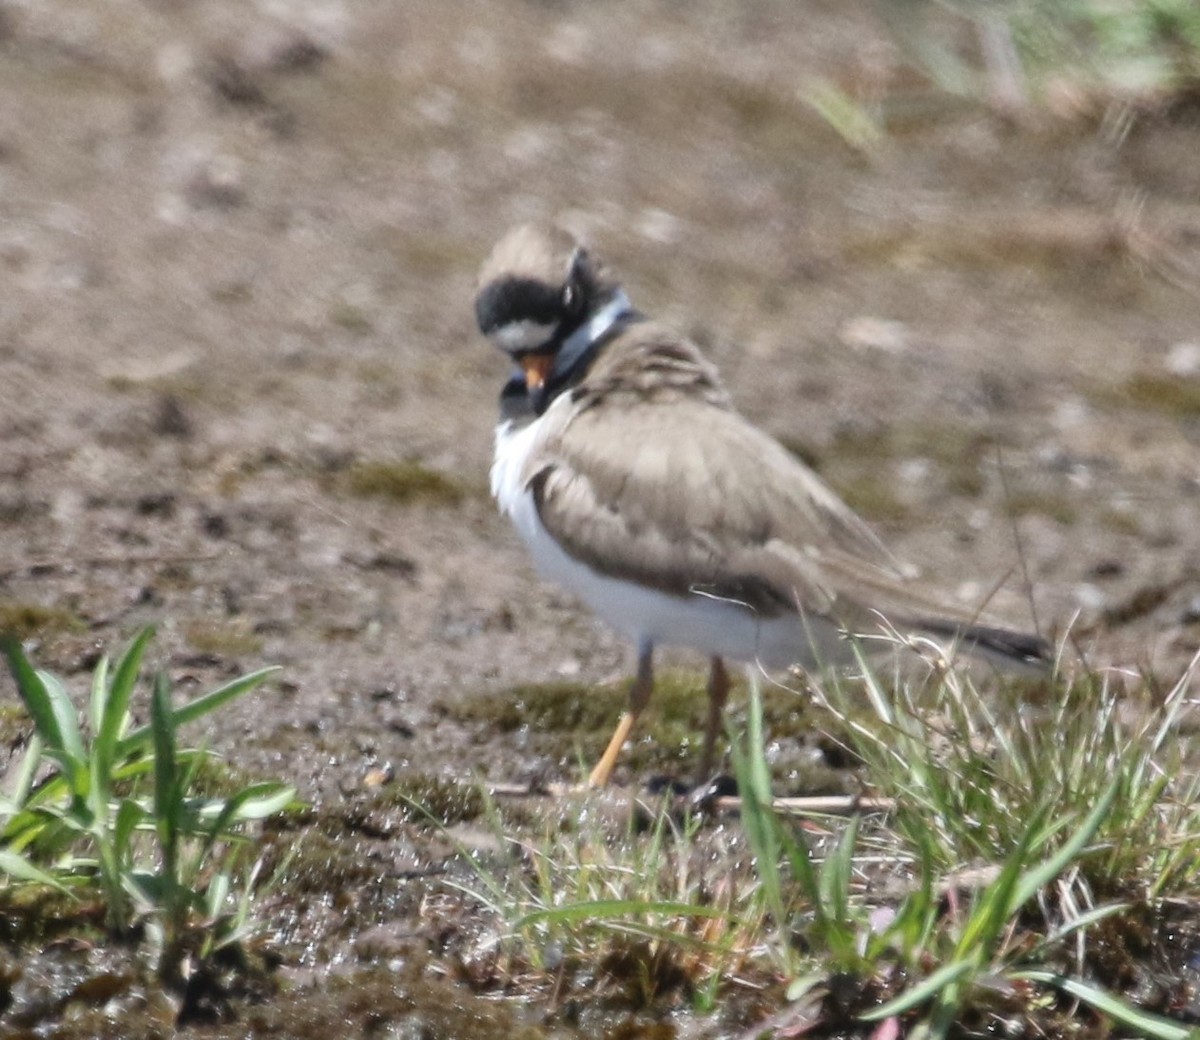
(241, 395)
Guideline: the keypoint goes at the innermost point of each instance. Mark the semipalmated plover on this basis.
(638, 486)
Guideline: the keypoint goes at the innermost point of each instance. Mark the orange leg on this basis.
(639, 697)
(718, 694)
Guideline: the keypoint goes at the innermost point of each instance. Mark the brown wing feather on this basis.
(667, 485)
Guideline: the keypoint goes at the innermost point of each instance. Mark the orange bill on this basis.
(536, 368)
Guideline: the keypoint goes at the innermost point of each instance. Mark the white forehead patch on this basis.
(522, 335)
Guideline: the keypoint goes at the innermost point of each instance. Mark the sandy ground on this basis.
(238, 244)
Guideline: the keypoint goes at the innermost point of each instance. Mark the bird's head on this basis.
(538, 291)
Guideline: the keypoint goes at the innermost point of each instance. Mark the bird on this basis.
(637, 485)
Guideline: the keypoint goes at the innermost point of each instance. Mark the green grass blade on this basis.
(258, 801)
(99, 764)
(25, 773)
(50, 790)
(991, 912)
(189, 762)
(27, 826)
(167, 808)
(668, 935)
(129, 815)
(879, 699)
(114, 709)
(216, 894)
(836, 873)
(758, 819)
(759, 772)
(197, 708)
(31, 690)
(1032, 881)
(42, 699)
(850, 120)
(1143, 1023)
(799, 858)
(920, 911)
(19, 868)
(99, 694)
(610, 909)
(925, 990)
(1084, 920)
(254, 802)
(66, 717)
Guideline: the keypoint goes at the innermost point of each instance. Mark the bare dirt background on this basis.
(241, 394)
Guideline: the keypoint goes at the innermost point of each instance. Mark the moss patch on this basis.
(423, 798)
(32, 913)
(401, 482)
(1120, 522)
(873, 496)
(216, 777)
(425, 254)
(1056, 505)
(860, 465)
(223, 638)
(350, 317)
(1056, 243)
(955, 450)
(317, 863)
(557, 707)
(15, 723)
(1170, 395)
(379, 1001)
(30, 619)
(572, 721)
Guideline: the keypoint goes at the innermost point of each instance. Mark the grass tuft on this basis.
(99, 807)
(636, 915)
(1043, 848)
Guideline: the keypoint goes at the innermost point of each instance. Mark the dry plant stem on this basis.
(817, 805)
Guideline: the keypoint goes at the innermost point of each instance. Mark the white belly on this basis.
(647, 616)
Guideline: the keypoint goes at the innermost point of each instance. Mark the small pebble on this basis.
(1183, 359)
(658, 225)
(870, 333)
(1070, 412)
(914, 471)
(379, 776)
(218, 182)
(1090, 597)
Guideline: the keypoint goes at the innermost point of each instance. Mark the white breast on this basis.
(643, 614)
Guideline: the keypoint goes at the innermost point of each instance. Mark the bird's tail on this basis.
(998, 644)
